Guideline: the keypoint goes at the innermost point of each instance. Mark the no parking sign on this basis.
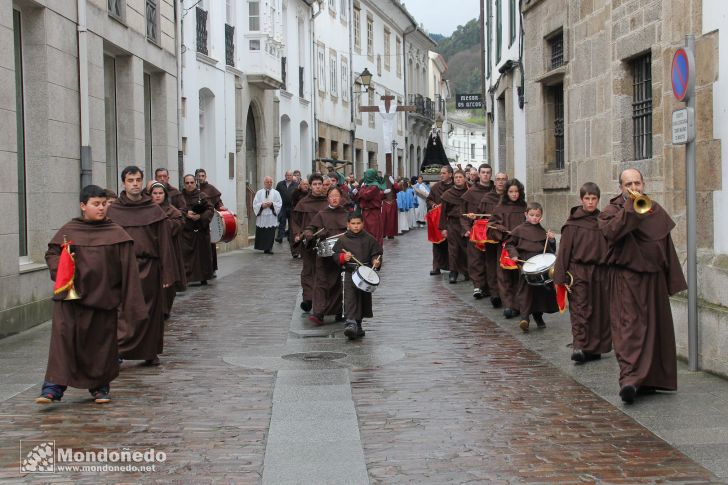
(682, 74)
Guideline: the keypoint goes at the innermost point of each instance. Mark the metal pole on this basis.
(692, 250)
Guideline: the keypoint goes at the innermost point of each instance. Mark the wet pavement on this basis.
(441, 390)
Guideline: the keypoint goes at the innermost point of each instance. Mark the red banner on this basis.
(561, 297)
(505, 260)
(434, 235)
(66, 270)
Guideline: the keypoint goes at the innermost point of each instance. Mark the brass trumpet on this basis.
(642, 204)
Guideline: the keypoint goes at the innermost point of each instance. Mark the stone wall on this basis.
(601, 39)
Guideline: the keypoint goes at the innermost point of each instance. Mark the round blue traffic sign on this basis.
(681, 74)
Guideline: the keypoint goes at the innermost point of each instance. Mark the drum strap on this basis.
(343, 294)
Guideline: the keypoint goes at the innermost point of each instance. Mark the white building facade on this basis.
(466, 143)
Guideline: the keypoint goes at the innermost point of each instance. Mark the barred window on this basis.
(556, 44)
(357, 29)
(558, 97)
(642, 107)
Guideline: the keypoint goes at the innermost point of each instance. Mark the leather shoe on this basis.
(496, 302)
(306, 305)
(510, 313)
(628, 393)
(453, 277)
(578, 356)
(434, 272)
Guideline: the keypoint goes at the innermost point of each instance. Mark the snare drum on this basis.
(223, 226)
(366, 279)
(325, 248)
(538, 270)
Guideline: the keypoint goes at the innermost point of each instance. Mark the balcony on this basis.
(202, 31)
(264, 61)
(424, 107)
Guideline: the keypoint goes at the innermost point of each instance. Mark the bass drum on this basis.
(223, 227)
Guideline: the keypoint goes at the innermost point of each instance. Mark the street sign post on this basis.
(682, 77)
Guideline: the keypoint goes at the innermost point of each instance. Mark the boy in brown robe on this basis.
(196, 246)
(83, 350)
(451, 226)
(492, 249)
(509, 213)
(359, 244)
(327, 281)
(525, 241)
(145, 221)
(581, 264)
(471, 205)
(643, 272)
(440, 257)
(303, 214)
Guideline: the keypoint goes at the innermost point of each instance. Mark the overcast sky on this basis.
(443, 17)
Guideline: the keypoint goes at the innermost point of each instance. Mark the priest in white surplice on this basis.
(266, 206)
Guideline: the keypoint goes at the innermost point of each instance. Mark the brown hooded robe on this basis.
(505, 217)
(440, 255)
(492, 250)
(476, 258)
(196, 247)
(450, 220)
(303, 214)
(357, 303)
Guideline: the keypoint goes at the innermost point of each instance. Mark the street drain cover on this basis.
(314, 356)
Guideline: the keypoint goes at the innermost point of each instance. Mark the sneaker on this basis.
(524, 325)
(316, 319)
(101, 397)
(477, 293)
(47, 398)
(351, 330)
(496, 302)
(360, 331)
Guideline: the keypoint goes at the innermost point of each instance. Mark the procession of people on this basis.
(118, 267)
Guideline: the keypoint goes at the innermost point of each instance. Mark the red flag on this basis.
(505, 260)
(561, 297)
(434, 235)
(66, 270)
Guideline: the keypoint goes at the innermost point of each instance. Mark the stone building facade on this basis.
(598, 99)
(87, 88)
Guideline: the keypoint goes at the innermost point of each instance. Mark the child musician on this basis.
(528, 240)
(356, 244)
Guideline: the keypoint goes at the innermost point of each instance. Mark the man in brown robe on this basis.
(525, 241)
(508, 214)
(146, 223)
(451, 226)
(643, 272)
(581, 264)
(439, 251)
(303, 213)
(330, 222)
(492, 248)
(215, 198)
(356, 244)
(472, 200)
(84, 350)
(174, 196)
(301, 191)
(175, 224)
(196, 247)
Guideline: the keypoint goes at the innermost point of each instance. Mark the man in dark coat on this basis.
(146, 223)
(472, 200)
(285, 188)
(439, 251)
(643, 272)
(84, 349)
(581, 264)
(215, 198)
(303, 214)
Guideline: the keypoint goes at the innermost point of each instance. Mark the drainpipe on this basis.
(350, 87)
(314, 84)
(84, 94)
(413, 166)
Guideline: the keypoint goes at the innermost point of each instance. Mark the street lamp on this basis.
(366, 77)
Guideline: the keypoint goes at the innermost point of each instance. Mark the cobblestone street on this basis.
(440, 390)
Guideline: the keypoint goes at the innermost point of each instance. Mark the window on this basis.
(343, 10)
(357, 29)
(321, 59)
(512, 19)
(229, 45)
(117, 8)
(229, 12)
(332, 7)
(489, 33)
(20, 139)
(254, 16)
(371, 103)
(272, 13)
(344, 79)
(370, 36)
(112, 164)
(556, 46)
(472, 152)
(558, 100)
(387, 49)
(642, 107)
(333, 73)
(201, 31)
(498, 30)
(153, 20)
(399, 57)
